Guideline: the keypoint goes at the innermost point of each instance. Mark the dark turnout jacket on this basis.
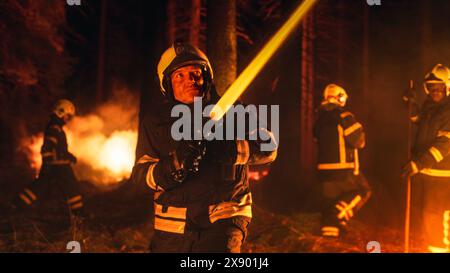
(220, 190)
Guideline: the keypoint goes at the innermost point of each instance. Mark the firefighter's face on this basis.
(67, 118)
(437, 91)
(187, 83)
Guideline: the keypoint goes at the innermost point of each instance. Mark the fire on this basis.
(32, 148)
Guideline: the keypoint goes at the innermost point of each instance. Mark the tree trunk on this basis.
(307, 91)
(194, 33)
(171, 24)
(426, 37)
(101, 54)
(221, 42)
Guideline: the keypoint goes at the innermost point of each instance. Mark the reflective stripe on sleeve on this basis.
(436, 154)
(243, 152)
(230, 209)
(350, 130)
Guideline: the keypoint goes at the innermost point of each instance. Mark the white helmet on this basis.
(335, 94)
(438, 75)
(64, 108)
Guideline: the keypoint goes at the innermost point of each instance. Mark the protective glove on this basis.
(410, 169)
(409, 96)
(72, 158)
(186, 159)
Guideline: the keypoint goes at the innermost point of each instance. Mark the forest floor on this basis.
(118, 223)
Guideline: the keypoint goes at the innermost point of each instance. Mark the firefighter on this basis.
(56, 167)
(430, 162)
(202, 199)
(339, 137)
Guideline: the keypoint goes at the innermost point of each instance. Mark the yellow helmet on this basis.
(335, 94)
(439, 74)
(179, 55)
(64, 108)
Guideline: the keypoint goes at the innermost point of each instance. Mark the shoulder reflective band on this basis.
(243, 152)
(436, 154)
(146, 159)
(414, 167)
(350, 130)
(346, 114)
(436, 173)
(444, 134)
(226, 210)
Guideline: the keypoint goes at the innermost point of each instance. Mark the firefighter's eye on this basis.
(197, 75)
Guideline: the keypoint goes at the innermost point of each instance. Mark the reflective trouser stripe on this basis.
(436, 173)
(74, 199)
(75, 202)
(25, 199)
(168, 225)
(77, 205)
(348, 209)
(330, 231)
(30, 194)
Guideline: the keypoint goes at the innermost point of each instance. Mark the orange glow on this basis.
(257, 175)
(32, 148)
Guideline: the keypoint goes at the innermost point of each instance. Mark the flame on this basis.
(31, 147)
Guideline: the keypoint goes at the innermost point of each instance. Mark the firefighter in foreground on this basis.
(202, 199)
(339, 136)
(56, 167)
(430, 162)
